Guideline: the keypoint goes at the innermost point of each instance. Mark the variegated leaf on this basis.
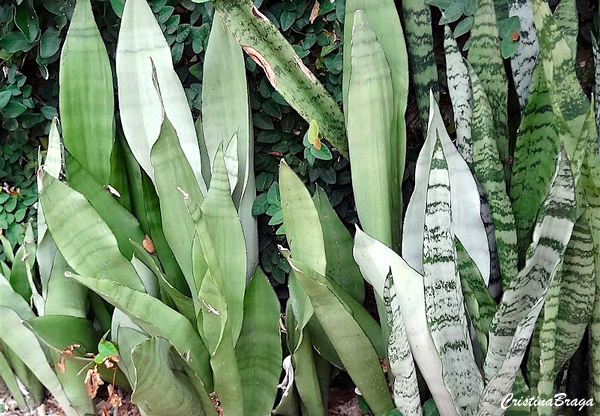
(550, 238)
(405, 386)
(444, 303)
(596, 51)
(419, 38)
(567, 21)
(536, 146)
(465, 201)
(376, 260)
(487, 62)
(524, 59)
(490, 173)
(459, 88)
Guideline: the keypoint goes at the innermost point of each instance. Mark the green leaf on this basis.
(61, 331)
(301, 220)
(258, 350)
(507, 27)
(173, 175)
(26, 20)
(341, 327)
(338, 249)
(508, 47)
(525, 295)
(488, 170)
(160, 388)
(225, 231)
(49, 43)
(121, 222)
(82, 237)
(157, 319)
(464, 26)
(86, 95)
(486, 60)
(13, 109)
(4, 98)
(143, 100)
(284, 69)
(9, 379)
(370, 113)
(25, 345)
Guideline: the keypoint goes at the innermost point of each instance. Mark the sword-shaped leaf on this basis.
(86, 94)
(25, 345)
(9, 379)
(347, 337)
(261, 40)
(444, 303)
(338, 249)
(465, 201)
(258, 350)
(161, 389)
(489, 171)
(596, 51)
(417, 20)
(536, 148)
(486, 60)
(157, 319)
(567, 20)
(550, 238)
(142, 51)
(375, 261)
(523, 61)
(371, 116)
(405, 387)
(174, 178)
(459, 88)
(82, 237)
(121, 222)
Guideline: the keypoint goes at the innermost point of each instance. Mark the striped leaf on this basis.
(500, 385)
(419, 38)
(459, 88)
(444, 303)
(86, 94)
(479, 303)
(488, 170)
(370, 114)
(537, 146)
(261, 40)
(523, 61)
(375, 261)
(83, 238)
(567, 20)
(465, 200)
(142, 53)
(405, 387)
(596, 51)
(550, 238)
(568, 99)
(385, 22)
(226, 114)
(486, 60)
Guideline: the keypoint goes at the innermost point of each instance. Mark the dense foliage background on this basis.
(31, 34)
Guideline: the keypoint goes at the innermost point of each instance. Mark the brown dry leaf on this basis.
(68, 351)
(93, 381)
(104, 411)
(314, 13)
(149, 245)
(61, 364)
(113, 396)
